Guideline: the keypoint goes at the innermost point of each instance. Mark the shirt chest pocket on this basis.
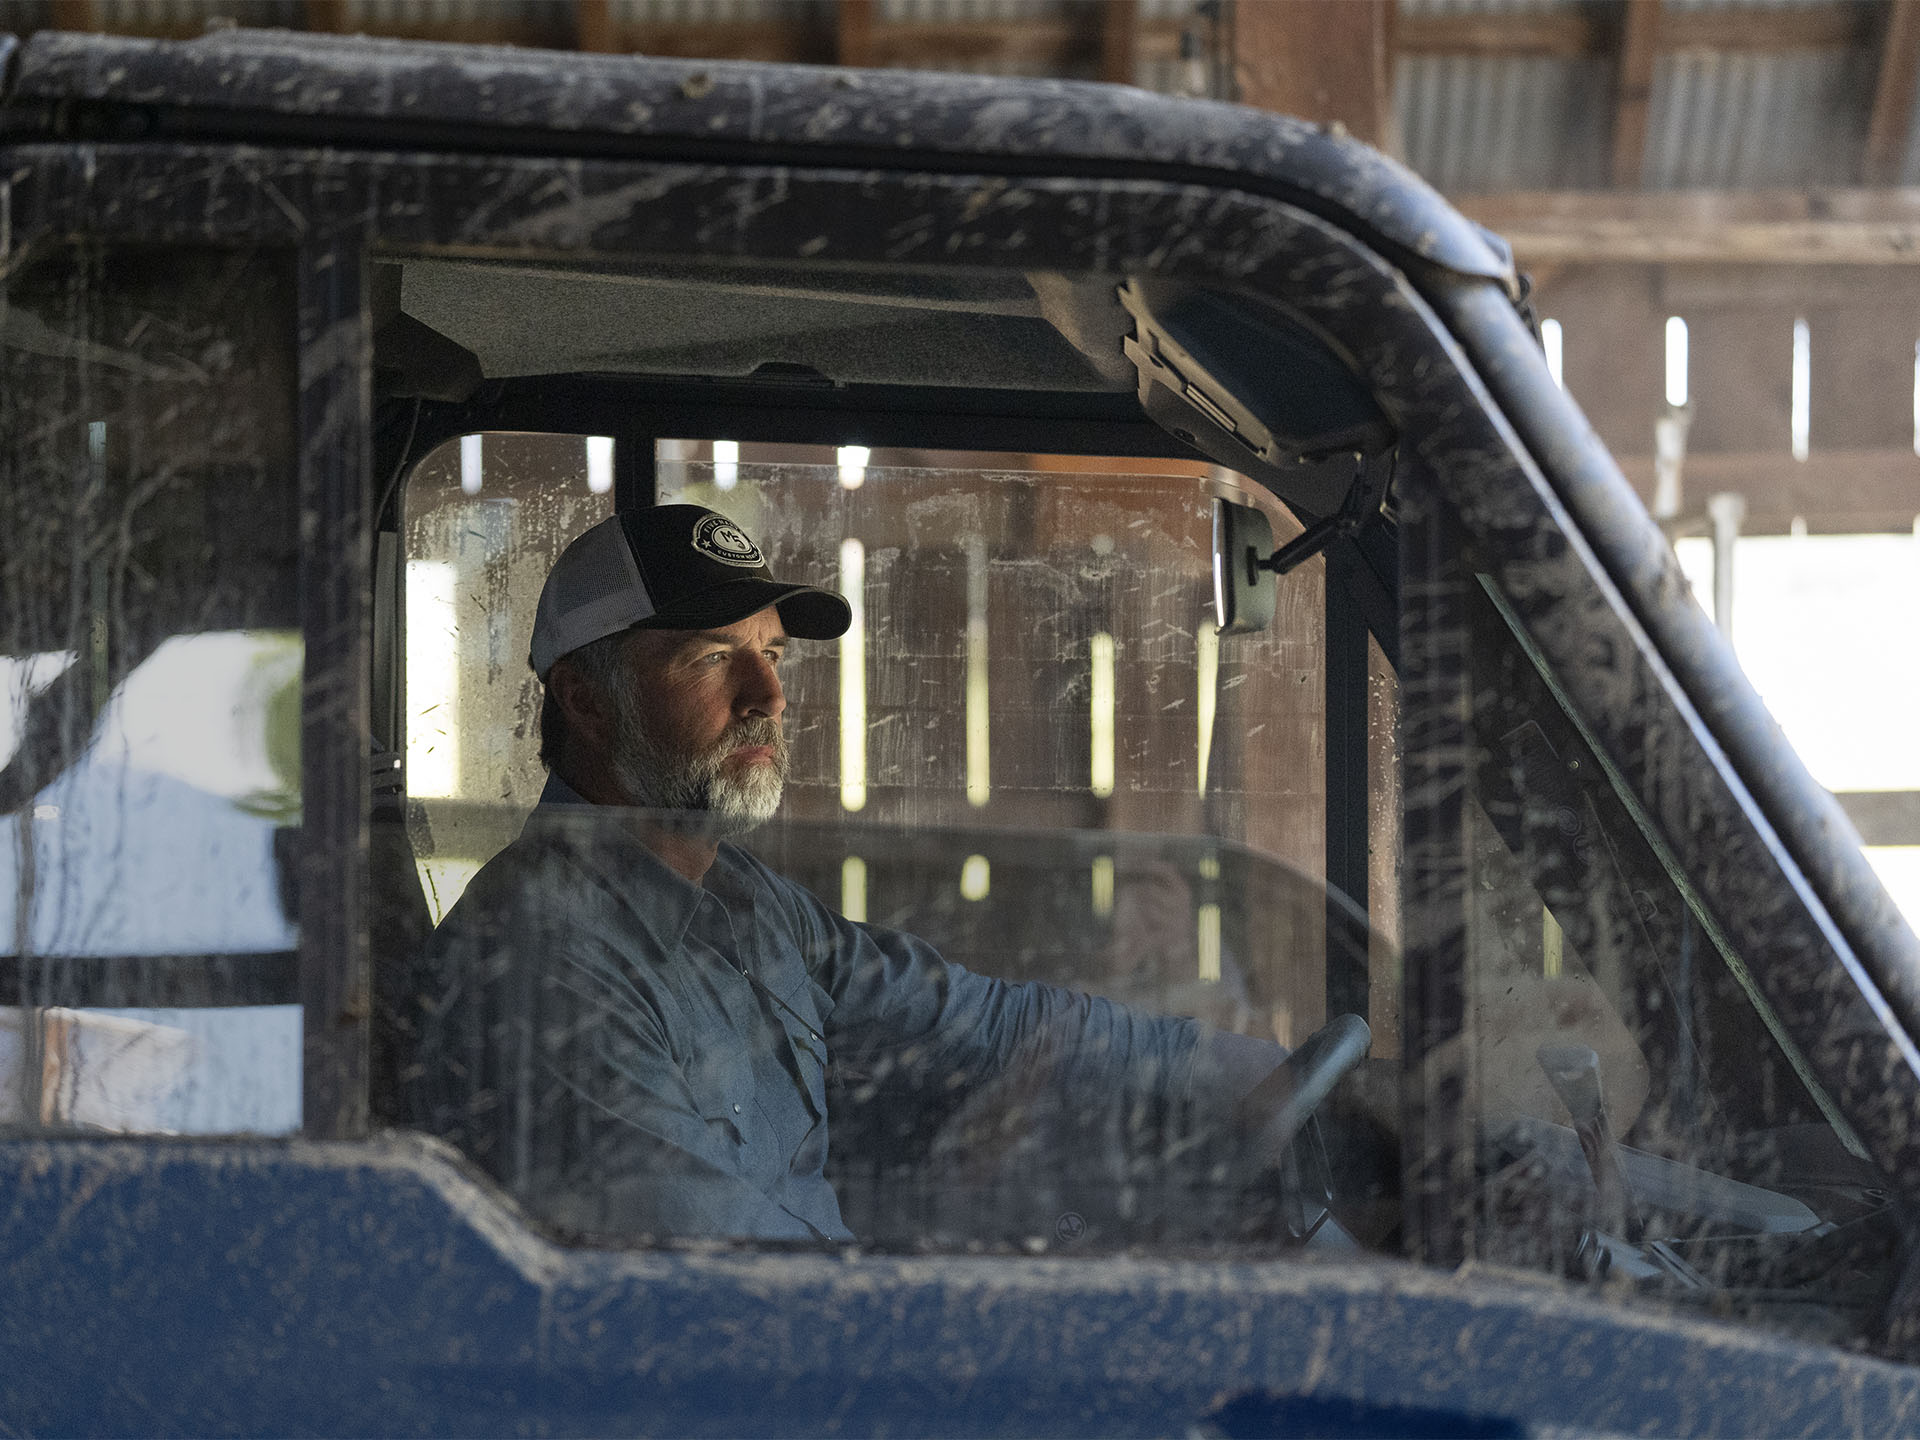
(803, 1015)
(723, 1095)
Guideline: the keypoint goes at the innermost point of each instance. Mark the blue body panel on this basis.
(293, 1288)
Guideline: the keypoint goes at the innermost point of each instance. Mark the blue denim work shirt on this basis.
(630, 1053)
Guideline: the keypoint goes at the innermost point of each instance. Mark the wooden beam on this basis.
(593, 26)
(1835, 492)
(76, 15)
(325, 17)
(1732, 28)
(1883, 817)
(1633, 92)
(1850, 227)
(853, 32)
(1119, 20)
(1324, 60)
(1574, 33)
(1567, 34)
(1893, 94)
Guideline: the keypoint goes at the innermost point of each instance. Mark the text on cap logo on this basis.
(721, 539)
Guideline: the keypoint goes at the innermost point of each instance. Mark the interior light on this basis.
(726, 464)
(1802, 388)
(976, 876)
(1676, 361)
(599, 464)
(979, 754)
(433, 680)
(1553, 342)
(1100, 778)
(853, 888)
(470, 454)
(1207, 687)
(853, 465)
(853, 678)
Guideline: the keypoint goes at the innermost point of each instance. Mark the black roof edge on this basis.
(283, 87)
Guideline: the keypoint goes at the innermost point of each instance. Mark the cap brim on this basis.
(807, 612)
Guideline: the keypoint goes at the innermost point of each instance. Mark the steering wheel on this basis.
(1272, 1113)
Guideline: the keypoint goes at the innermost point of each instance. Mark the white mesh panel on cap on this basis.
(594, 590)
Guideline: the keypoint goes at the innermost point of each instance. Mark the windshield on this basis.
(1029, 758)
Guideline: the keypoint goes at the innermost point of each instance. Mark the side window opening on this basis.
(150, 673)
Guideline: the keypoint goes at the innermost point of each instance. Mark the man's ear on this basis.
(588, 712)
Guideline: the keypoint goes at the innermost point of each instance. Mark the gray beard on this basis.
(654, 773)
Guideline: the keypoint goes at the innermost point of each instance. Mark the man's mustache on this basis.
(759, 730)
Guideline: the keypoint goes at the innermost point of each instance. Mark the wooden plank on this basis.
(1686, 288)
(1574, 33)
(1565, 34)
(1733, 28)
(1861, 396)
(1740, 373)
(853, 32)
(1119, 19)
(1883, 817)
(1633, 91)
(593, 26)
(1614, 348)
(72, 15)
(1324, 60)
(1853, 227)
(1893, 92)
(325, 17)
(1833, 492)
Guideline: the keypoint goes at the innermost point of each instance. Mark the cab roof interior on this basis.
(987, 328)
(933, 358)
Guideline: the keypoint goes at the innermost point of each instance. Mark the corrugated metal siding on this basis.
(1474, 123)
(1725, 121)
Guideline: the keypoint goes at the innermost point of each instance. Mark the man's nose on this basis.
(759, 691)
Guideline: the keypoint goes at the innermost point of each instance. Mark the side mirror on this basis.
(1243, 590)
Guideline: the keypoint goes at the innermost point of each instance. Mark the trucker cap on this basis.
(671, 567)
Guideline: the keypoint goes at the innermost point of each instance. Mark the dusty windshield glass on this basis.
(1029, 923)
(1636, 1114)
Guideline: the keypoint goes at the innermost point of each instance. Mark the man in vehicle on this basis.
(627, 1019)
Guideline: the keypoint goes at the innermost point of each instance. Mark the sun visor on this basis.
(1251, 389)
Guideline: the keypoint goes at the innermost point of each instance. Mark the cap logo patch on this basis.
(720, 539)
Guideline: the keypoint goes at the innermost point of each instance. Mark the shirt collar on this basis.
(671, 900)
